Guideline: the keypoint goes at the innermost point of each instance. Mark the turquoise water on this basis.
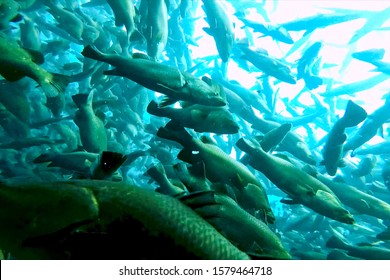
(51, 133)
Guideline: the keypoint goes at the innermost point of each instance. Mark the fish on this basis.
(16, 63)
(219, 166)
(277, 33)
(77, 161)
(333, 149)
(300, 186)
(356, 87)
(92, 132)
(67, 20)
(29, 35)
(9, 12)
(177, 85)
(292, 142)
(157, 173)
(156, 29)
(198, 117)
(365, 167)
(65, 231)
(370, 55)
(376, 149)
(254, 237)
(106, 164)
(23, 143)
(220, 27)
(369, 127)
(268, 65)
(306, 64)
(14, 98)
(125, 14)
(322, 20)
(362, 252)
(358, 200)
(14, 127)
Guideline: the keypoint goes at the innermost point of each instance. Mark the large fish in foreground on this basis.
(87, 219)
(177, 85)
(254, 236)
(333, 150)
(16, 63)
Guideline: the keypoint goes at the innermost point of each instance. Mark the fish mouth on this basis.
(218, 102)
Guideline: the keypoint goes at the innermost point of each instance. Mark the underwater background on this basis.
(194, 129)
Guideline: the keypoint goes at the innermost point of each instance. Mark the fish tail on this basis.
(247, 146)
(174, 132)
(56, 85)
(42, 158)
(313, 82)
(354, 114)
(109, 163)
(153, 109)
(336, 243)
(157, 172)
(80, 99)
(93, 53)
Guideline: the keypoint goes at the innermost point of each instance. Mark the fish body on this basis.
(152, 217)
(221, 28)
(156, 30)
(277, 33)
(299, 185)
(333, 149)
(370, 55)
(291, 143)
(376, 149)
(92, 132)
(358, 200)
(306, 64)
(177, 85)
(125, 14)
(16, 63)
(309, 24)
(268, 65)
(369, 127)
(250, 234)
(198, 117)
(75, 161)
(219, 166)
(362, 252)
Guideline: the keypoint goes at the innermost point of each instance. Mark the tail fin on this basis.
(354, 114)
(153, 109)
(176, 133)
(43, 158)
(80, 99)
(247, 146)
(56, 85)
(109, 163)
(93, 53)
(313, 82)
(337, 243)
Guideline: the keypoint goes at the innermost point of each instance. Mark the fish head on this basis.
(206, 92)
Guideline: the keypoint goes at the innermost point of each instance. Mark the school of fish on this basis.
(119, 142)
